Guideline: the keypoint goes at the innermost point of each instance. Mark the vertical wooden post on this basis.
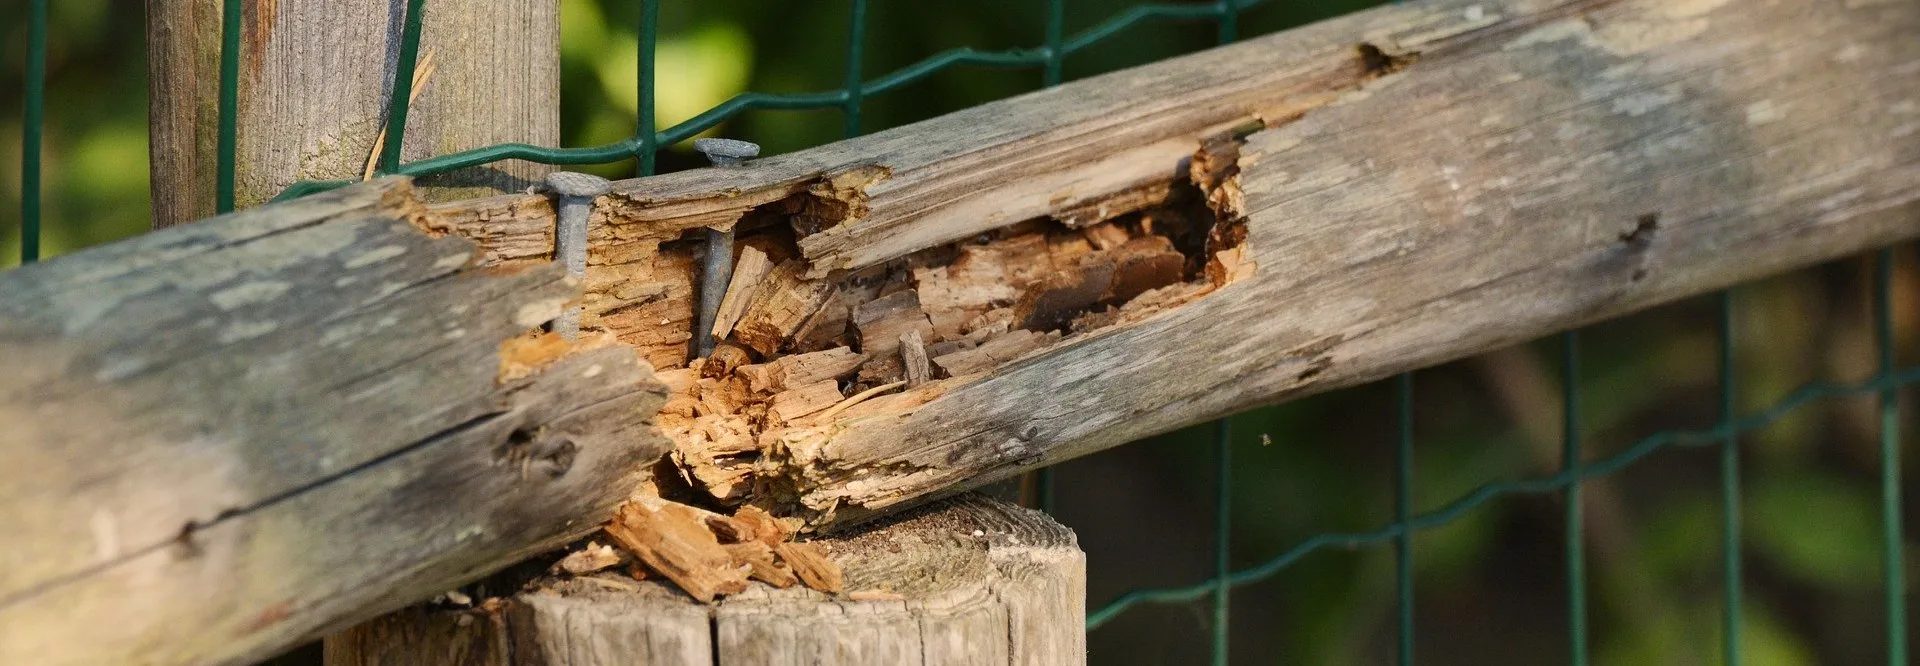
(315, 76)
(971, 581)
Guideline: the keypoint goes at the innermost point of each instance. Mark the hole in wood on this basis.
(797, 351)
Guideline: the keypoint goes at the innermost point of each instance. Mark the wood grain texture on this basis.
(314, 85)
(1418, 183)
(973, 581)
(1549, 164)
(226, 437)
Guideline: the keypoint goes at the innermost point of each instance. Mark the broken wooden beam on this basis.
(1305, 211)
(1541, 165)
(225, 438)
(973, 581)
(1379, 192)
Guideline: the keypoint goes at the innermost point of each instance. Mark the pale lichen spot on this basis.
(346, 281)
(538, 312)
(246, 330)
(1641, 103)
(118, 368)
(1557, 31)
(1690, 8)
(248, 294)
(452, 261)
(375, 255)
(1763, 112)
(455, 334)
(385, 290)
(592, 371)
(106, 535)
(1628, 38)
(1849, 54)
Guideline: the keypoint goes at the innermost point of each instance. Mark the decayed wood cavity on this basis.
(800, 353)
(875, 274)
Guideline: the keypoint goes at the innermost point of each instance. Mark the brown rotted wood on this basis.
(227, 437)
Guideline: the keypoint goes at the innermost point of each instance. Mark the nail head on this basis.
(726, 152)
(576, 184)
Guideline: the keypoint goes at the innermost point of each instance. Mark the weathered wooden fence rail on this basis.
(1383, 191)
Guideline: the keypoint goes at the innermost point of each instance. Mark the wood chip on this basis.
(883, 320)
(749, 272)
(827, 327)
(779, 307)
(675, 542)
(812, 566)
(725, 357)
(678, 380)
(594, 557)
(729, 530)
(797, 369)
(792, 404)
(1144, 263)
(1106, 236)
(1065, 294)
(811, 367)
(913, 353)
(766, 528)
(875, 595)
(760, 563)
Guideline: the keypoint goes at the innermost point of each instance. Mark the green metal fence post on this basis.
(1572, 466)
(1730, 581)
(1402, 512)
(1222, 538)
(402, 95)
(32, 125)
(1892, 558)
(856, 47)
(648, 148)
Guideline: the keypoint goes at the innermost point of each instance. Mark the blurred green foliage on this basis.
(1489, 585)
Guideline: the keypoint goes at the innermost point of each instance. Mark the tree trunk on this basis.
(315, 78)
(974, 581)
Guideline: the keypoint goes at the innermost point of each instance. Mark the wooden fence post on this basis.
(315, 76)
(973, 581)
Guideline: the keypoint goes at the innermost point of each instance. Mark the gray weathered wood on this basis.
(1433, 179)
(226, 437)
(314, 84)
(978, 581)
(1554, 164)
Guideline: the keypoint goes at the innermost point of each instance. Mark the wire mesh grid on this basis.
(645, 144)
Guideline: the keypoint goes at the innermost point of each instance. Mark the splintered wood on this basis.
(708, 555)
(798, 352)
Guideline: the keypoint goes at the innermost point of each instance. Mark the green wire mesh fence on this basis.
(1724, 435)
